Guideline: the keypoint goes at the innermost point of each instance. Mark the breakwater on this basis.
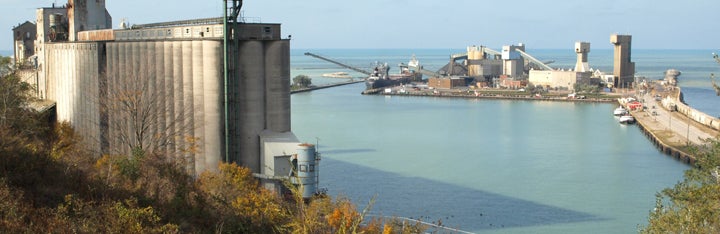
(676, 100)
(325, 86)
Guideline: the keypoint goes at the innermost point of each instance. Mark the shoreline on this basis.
(492, 96)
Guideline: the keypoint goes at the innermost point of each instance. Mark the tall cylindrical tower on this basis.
(251, 102)
(277, 85)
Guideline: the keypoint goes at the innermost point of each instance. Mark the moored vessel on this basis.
(620, 111)
(626, 119)
(380, 76)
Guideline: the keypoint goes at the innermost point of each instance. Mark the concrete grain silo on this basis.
(162, 88)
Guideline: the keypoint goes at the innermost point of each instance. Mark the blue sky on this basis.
(689, 24)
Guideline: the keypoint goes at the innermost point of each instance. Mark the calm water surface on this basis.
(489, 166)
(485, 165)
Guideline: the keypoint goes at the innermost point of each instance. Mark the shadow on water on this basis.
(428, 200)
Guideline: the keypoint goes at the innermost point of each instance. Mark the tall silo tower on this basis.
(624, 69)
(582, 49)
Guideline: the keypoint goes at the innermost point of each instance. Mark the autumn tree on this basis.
(17, 118)
(141, 115)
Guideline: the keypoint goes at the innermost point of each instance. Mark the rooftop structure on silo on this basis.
(24, 41)
(624, 68)
(582, 49)
(87, 15)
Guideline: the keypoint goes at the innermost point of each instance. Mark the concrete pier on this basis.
(672, 131)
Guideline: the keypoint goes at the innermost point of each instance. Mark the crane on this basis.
(339, 63)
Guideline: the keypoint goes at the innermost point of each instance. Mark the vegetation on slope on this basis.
(692, 205)
(50, 184)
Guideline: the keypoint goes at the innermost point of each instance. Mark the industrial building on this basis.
(562, 79)
(206, 90)
(513, 68)
(566, 79)
(480, 64)
(24, 41)
(447, 83)
(623, 67)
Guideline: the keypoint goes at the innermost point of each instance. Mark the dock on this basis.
(672, 132)
(325, 86)
(484, 94)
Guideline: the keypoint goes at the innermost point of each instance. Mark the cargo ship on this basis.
(381, 77)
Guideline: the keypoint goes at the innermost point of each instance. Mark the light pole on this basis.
(688, 134)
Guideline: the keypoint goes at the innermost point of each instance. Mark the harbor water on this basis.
(491, 166)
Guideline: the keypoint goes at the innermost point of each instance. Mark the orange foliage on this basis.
(234, 192)
(343, 216)
(387, 229)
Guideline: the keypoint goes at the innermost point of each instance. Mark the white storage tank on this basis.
(306, 169)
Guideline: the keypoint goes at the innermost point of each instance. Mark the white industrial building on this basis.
(565, 79)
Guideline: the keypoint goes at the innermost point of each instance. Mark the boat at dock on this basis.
(381, 78)
(620, 111)
(626, 119)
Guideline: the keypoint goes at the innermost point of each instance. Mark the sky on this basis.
(448, 24)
